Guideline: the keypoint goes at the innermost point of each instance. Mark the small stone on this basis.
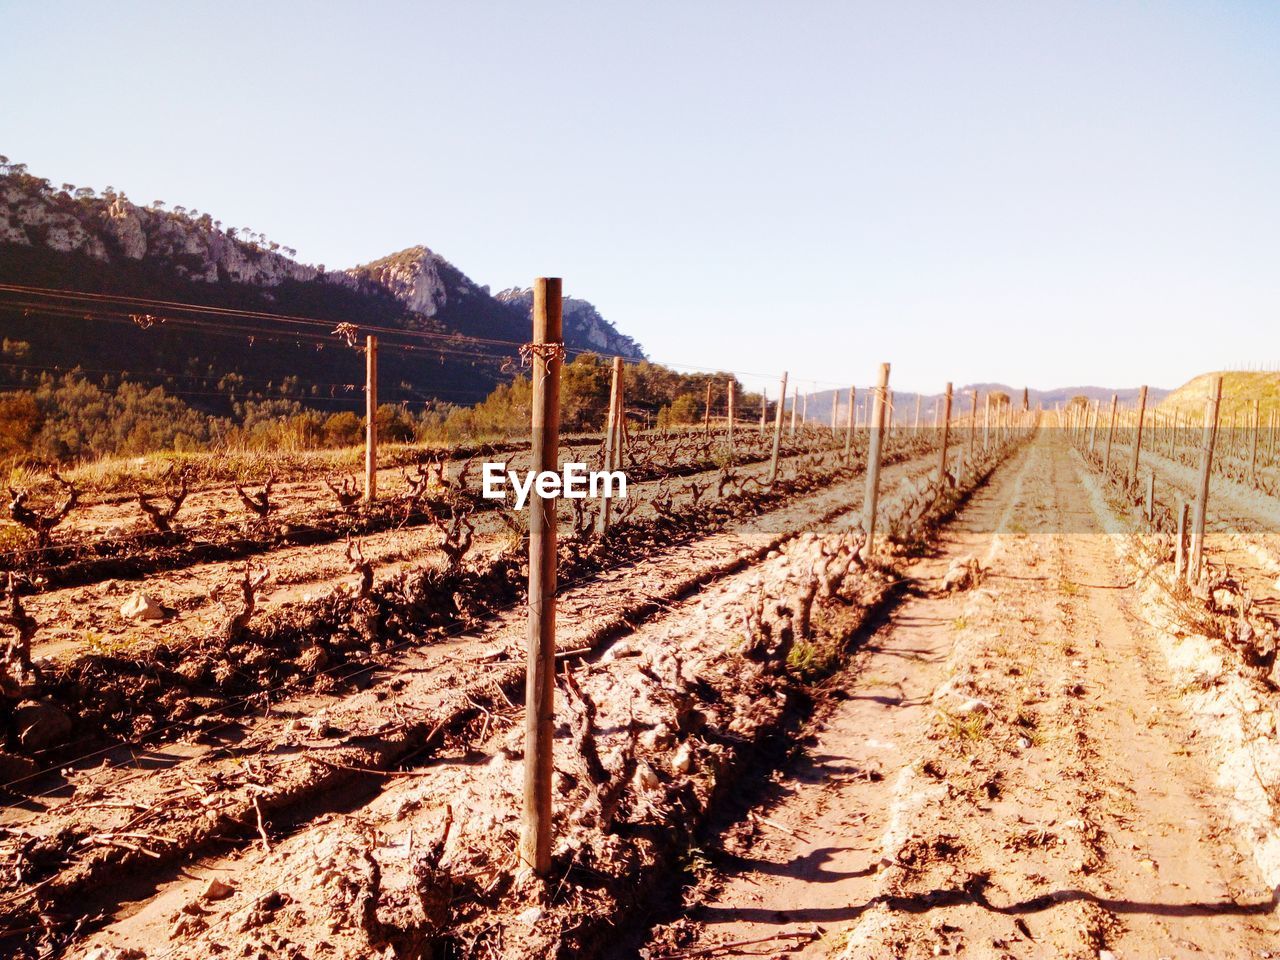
(40, 725)
(530, 916)
(139, 606)
(217, 890)
(975, 705)
(682, 762)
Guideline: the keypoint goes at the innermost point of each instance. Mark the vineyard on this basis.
(275, 704)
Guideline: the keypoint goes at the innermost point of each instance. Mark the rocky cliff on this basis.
(77, 239)
(193, 246)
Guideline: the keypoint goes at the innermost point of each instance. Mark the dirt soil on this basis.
(1011, 770)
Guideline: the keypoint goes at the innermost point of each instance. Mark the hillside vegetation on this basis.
(1239, 389)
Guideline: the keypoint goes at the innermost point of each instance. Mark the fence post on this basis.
(946, 432)
(732, 391)
(370, 419)
(1180, 551)
(795, 407)
(916, 425)
(764, 406)
(1202, 493)
(1151, 498)
(848, 425)
(612, 442)
(1137, 440)
(1093, 430)
(1257, 425)
(875, 446)
(706, 414)
(835, 410)
(777, 431)
(535, 825)
(1111, 433)
(973, 421)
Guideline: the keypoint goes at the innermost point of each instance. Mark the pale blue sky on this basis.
(1038, 191)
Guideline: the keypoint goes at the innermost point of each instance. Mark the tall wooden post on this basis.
(1257, 425)
(1137, 439)
(973, 421)
(732, 413)
(804, 410)
(535, 825)
(795, 408)
(612, 442)
(1093, 430)
(1180, 553)
(848, 425)
(916, 425)
(986, 423)
(370, 419)
(1207, 442)
(835, 410)
(706, 414)
(946, 431)
(764, 407)
(1111, 433)
(777, 431)
(871, 499)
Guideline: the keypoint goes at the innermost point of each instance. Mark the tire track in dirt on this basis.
(1042, 794)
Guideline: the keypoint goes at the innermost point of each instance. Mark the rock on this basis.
(139, 606)
(975, 705)
(963, 573)
(682, 762)
(646, 778)
(530, 916)
(217, 890)
(40, 725)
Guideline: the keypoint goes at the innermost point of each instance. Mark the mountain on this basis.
(88, 245)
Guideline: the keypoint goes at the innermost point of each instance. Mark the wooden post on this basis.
(986, 423)
(1151, 498)
(732, 413)
(1180, 550)
(1257, 425)
(946, 431)
(1093, 430)
(917, 423)
(875, 447)
(848, 426)
(1111, 433)
(1137, 439)
(536, 823)
(612, 441)
(973, 421)
(777, 431)
(1207, 442)
(1173, 436)
(706, 414)
(764, 406)
(370, 419)
(804, 412)
(795, 407)
(835, 410)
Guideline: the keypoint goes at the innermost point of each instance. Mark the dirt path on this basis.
(1004, 772)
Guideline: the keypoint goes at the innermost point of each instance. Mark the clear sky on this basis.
(1044, 192)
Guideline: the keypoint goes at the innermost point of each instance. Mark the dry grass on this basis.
(1239, 390)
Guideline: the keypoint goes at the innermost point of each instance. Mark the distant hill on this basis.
(1239, 389)
(74, 239)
